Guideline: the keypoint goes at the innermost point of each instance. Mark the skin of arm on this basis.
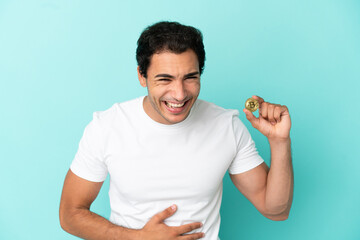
(76, 217)
(270, 190)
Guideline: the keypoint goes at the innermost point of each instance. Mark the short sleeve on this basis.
(247, 156)
(89, 162)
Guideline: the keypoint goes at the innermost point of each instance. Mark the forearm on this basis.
(89, 225)
(280, 179)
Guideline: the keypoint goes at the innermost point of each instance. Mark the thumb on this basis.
(168, 212)
(252, 119)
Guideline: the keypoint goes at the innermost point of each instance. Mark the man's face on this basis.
(173, 83)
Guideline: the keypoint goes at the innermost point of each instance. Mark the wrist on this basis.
(122, 233)
(138, 234)
(279, 141)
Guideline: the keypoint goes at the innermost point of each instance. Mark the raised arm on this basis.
(270, 190)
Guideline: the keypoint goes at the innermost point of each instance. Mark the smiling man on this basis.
(173, 83)
(167, 152)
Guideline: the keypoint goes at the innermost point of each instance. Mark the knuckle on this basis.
(194, 226)
(186, 228)
(196, 236)
(157, 217)
(190, 237)
(191, 227)
(173, 233)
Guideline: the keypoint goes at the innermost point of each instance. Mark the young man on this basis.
(168, 152)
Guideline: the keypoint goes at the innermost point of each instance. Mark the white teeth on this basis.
(174, 105)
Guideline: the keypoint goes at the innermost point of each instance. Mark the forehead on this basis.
(175, 63)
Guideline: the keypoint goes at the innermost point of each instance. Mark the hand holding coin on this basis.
(273, 121)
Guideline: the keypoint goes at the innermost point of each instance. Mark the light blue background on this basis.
(62, 60)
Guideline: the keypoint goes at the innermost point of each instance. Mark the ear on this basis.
(142, 79)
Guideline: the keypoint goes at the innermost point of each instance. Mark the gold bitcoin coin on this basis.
(251, 104)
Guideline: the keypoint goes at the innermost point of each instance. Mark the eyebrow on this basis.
(170, 76)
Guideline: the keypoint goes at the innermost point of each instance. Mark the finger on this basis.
(263, 109)
(160, 217)
(187, 227)
(277, 113)
(252, 119)
(192, 236)
(259, 99)
(284, 109)
(270, 113)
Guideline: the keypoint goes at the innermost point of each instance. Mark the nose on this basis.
(178, 91)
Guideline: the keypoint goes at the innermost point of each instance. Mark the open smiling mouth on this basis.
(175, 107)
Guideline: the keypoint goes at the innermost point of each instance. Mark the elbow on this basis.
(69, 218)
(64, 217)
(281, 214)
(62, 220)
(280, 217)
(64, 227)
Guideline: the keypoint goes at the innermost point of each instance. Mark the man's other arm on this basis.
(76, 217)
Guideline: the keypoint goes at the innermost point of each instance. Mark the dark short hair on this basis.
(168, 36)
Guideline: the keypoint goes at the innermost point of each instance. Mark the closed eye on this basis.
(192, 77)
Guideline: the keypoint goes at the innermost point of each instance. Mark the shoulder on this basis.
(213, 111)
(117, 110)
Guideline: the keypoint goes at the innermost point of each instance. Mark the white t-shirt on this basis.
(153, 165)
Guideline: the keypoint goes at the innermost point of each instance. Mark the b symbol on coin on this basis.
(251, 104)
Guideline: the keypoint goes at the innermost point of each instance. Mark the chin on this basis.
(177, 120)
